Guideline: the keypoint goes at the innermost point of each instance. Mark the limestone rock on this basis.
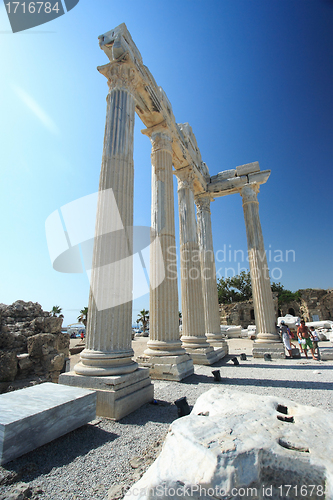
(8, 366)
(40, 344)
(35, 341)
(244, 441)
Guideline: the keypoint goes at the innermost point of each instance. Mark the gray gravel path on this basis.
(87, 462)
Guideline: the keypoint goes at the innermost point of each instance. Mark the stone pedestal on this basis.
(117, 396)
(208, 275)
(108, 352)
(193, 338)
(165, 356)
(267, 338)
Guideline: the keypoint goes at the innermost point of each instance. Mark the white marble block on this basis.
(238, 445)
(117, 395)
(36, 415)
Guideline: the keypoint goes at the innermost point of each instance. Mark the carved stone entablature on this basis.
(185, 177)
(249, 193)
(121, 76)
(118, 43)
(203, 202)
(233, 181)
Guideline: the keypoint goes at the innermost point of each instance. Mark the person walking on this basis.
(315, 340)
(285, 333)
(303, 334)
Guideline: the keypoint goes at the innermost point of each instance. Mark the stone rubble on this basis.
(33, 348)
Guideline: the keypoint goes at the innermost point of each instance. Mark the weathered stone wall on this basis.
(32, 346)
(241, 313)
(313, 302)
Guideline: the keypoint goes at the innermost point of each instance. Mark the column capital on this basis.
(185, 177)
(160, 136)
(249, 193)
(202, 202)
(121, 76)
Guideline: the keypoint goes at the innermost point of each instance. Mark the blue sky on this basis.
(253, 78)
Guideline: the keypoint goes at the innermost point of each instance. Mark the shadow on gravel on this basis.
(288, 384)
(57, 453)
(270, 365)
(160, 411)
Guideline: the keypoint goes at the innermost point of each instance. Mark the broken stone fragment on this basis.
(245, 440)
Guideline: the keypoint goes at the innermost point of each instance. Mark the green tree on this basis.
(55, 311)
(285, 296)
(83, 317)
(235, 289)
(143, 317)
(238, 289)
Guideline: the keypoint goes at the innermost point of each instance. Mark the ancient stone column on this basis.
(268, 341)
(193, 336)
(208, 274)
(108, 352)
(164, 355)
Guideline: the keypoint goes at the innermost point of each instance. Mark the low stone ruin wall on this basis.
(32, 347)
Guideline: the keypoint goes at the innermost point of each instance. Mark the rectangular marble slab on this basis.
(248, 168)
(37, 415)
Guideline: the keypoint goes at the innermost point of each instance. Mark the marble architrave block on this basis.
(36, 415)
(225, 174)
(248, 168)
(221, 185)
(117, 395)
(259, 177)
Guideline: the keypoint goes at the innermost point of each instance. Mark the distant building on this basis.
(314, 305)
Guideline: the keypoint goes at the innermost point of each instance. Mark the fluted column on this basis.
(260, 282)
(164, 338)
(208, 273)
(108, 343)
(193, 338)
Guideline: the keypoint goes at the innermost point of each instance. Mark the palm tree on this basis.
(143, 318)
(55, 311)
(83, 316)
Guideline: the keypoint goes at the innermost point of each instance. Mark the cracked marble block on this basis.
(36, 415)
(235, 443)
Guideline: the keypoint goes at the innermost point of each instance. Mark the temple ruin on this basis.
(106, 363)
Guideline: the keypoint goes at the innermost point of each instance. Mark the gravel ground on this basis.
(102, 458)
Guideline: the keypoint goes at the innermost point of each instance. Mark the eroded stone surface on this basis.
(235, 440)
(32, 347)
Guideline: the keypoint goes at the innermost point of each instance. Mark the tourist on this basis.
(285, 332)
(303, 334)
(315, 339)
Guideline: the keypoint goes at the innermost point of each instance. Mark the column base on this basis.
(275, 350)
(207, 356)
(167, 367)
(117, 395)
(103, 364)
(219, 344)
